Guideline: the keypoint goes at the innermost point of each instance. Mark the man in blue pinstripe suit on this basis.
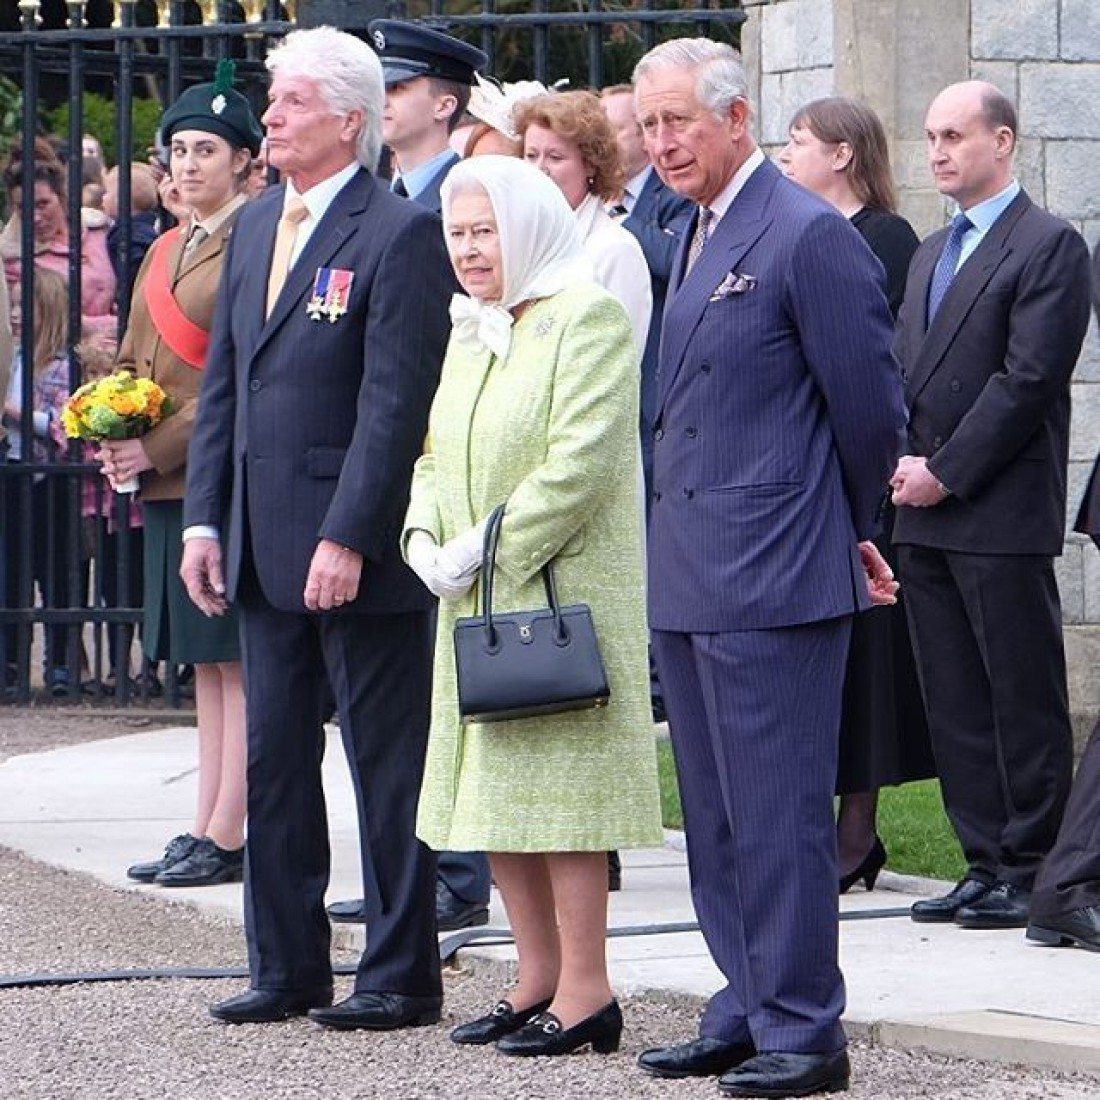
(779, 415)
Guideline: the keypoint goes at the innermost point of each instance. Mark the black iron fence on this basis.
(71, 551)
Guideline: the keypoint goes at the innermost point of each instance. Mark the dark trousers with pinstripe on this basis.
(755, 717)
(378, 668)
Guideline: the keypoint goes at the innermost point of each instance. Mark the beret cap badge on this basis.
(217, 104)
(379, 40)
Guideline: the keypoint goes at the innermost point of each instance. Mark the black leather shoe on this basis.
(452, 913)
(379, 1012)
(347, 912)
(1078, 926)
(779, 1074)
(544, 1035)
(206, 865)
(179, 847)
(700, 1058)
(503, 1020)
(268, 1006)
(943, 910)
(1005, 906)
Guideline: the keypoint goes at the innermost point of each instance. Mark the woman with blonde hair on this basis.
(537, 410)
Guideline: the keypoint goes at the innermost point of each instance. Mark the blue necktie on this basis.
(944, 275)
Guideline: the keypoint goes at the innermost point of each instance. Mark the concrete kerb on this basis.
(95, 806)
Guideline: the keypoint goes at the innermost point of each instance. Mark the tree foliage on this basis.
(100, 120)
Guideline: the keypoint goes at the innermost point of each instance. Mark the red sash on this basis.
(188, 340)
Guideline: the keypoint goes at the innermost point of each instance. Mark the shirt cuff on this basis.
(201, 531)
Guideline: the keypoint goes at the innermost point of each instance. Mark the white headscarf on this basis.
(541, 250)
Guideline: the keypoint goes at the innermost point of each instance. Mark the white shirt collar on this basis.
(725, 197)
(634, 187)
(319, 197)
(212, 224)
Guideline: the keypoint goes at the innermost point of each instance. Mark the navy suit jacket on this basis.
(779, 418)
(657, 221)
(988, 384)
(308, 429)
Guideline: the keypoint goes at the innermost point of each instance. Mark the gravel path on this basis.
(152, 1040)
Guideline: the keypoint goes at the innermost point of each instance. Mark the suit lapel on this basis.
(208, 251)
(738, 230)
(339, 223)
(967, 287)
(647, 197)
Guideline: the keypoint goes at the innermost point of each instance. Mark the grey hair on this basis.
(349, 75)
(721, 77)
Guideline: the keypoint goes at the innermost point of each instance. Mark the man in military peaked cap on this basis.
(428, 77)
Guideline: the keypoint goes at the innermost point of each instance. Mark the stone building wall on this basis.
(895, 55)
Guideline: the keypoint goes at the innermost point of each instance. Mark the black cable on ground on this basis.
(448, 949)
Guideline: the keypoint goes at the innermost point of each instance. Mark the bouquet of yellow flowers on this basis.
(119, 406)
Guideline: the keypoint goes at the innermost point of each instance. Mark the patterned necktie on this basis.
(944, 275)
(399, 188)
(295, 213)
(702, 229)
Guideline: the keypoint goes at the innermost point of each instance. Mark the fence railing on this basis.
(71, 553)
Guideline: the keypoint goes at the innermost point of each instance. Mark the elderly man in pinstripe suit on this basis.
(779, 413)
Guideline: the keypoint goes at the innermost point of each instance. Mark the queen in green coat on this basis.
(537, 409)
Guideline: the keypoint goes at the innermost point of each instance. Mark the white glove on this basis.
(461, 557)
(423, 554)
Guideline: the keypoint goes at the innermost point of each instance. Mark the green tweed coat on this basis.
(551, 432)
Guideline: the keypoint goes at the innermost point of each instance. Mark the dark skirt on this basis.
(175, 629)
(884, 737)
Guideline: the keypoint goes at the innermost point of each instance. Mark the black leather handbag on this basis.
(526, 663)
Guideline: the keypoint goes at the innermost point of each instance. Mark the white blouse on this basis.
(620, 264)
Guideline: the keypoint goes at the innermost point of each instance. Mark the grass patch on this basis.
(911, 822)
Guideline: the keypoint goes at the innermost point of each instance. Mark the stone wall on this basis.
(895, 55)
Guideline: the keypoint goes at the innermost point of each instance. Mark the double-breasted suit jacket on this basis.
(987, 385)
(777, 423)
(146, 353)
(309, 424)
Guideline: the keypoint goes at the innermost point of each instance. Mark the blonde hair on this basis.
(51, 317)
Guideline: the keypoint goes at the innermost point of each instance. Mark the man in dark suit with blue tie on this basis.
(994, 315)
(321, 371)
(778, 419)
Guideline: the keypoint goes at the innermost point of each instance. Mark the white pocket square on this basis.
(736, 282)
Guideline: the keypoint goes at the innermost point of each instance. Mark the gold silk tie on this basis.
(295, 213)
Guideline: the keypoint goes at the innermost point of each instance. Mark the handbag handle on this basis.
(488, 569)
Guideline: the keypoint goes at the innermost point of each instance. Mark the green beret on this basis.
(217, 109)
